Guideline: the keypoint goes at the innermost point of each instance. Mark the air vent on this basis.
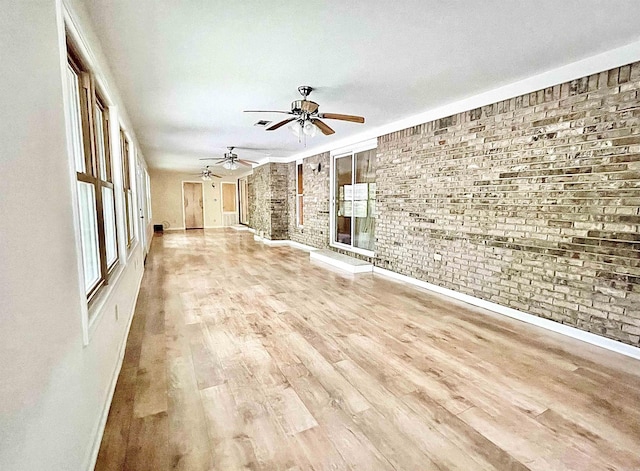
(262, 123)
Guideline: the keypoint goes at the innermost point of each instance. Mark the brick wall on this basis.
(279, 205)
(316, 202)
(258, 193)
(533, 203)
(268, 205)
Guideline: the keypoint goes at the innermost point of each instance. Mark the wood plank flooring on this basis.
(244, 356)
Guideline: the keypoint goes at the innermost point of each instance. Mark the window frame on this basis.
(125, 161)
(300, 195)
(108, 182)
(336, 154)
(90, 99)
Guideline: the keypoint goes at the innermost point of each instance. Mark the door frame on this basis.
(142, 190)
(243, 181)
(237, 211)
(204, 204)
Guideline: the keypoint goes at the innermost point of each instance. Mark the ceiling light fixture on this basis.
(303, 128)
(229, 165)
(309, 129)
(296, 128)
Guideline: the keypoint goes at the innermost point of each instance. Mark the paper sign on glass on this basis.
(348, 209)
(348, 192)
(360, 191)
(360, 209)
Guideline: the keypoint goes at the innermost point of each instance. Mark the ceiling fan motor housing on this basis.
(304, 106)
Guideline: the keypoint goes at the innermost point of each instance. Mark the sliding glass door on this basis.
(354, 183)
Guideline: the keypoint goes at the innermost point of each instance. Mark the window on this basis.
(299, 196)
(88, 134)
(126, 187)
(354, 202)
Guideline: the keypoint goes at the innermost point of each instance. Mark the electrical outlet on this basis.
(117, 313)
(437, 257)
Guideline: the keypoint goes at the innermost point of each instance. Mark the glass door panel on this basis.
(364, 194)
(344, 199)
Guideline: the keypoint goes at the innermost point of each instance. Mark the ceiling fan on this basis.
(306, 118)
(206, 174)
(230, 160)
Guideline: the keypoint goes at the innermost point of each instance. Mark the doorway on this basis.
(193, 209)
(244, 200)
(229, 204)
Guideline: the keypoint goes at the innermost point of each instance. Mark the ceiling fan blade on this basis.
(217, 176)
(267, 111)
(343, 117)
(245, 161)
(280, 124)
(326, 130)
(213, 158)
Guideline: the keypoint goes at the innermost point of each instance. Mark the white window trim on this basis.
(91, 316)
(299, 162)
(343, 152)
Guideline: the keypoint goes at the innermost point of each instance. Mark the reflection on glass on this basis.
(364, 195)
(89, 235)
(129, 197)
(74, 128)
(344, 195)
(109, 225)
(300, 197)
(102, 168)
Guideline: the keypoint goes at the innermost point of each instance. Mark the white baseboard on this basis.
(215, 227)
(593, 339)
(169, 229)
(112, 387)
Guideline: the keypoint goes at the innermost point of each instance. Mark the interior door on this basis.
(193, 212)
(142, 190)
(229, 204)
(244, 201)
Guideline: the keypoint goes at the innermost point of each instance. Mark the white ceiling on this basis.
(187, 69)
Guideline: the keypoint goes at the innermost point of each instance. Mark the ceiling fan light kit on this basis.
(309, 129)
(230, 165)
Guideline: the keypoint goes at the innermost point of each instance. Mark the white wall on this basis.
(53, 388)
(166, 196)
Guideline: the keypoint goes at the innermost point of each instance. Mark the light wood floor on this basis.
(243, 356)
